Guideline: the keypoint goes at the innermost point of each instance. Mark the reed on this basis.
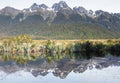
(25, 45)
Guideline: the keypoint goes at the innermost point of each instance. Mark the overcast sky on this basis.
(106, 5)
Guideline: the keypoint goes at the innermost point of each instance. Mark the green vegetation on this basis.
(23, 44)
(23, 49)
(18, 44)
(60, 31)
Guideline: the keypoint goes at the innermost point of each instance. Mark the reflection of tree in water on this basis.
(59, 66)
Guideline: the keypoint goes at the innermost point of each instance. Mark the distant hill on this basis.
(59, 22)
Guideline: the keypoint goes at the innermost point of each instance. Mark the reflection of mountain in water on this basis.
(59, 68)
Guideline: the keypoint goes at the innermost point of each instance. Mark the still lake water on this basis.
(61, 70)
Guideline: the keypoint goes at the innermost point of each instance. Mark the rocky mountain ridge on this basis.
(72, 20)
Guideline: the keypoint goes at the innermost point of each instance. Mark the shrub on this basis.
(77, 47)
(87, 46)
(98, 47)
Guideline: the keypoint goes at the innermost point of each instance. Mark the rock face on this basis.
(60, 6)
(59, 13)
(9, 11)
(63, 9)
(36, 7)
(80, 10)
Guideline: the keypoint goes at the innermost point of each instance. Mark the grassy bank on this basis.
(25, 45)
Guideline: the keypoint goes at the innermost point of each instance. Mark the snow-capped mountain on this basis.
(51, 12)
(35, 7)
(60, 13)
(60, 6)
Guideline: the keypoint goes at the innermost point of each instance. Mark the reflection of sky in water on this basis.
(106, 75)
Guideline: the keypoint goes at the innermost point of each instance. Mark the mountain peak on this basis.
(10, 11)
(99, 12)
(9, 8)
(43, 6)
(34, 6)
(80, 10)
(60, 5)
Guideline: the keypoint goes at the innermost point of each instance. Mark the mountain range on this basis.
(59, 22)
